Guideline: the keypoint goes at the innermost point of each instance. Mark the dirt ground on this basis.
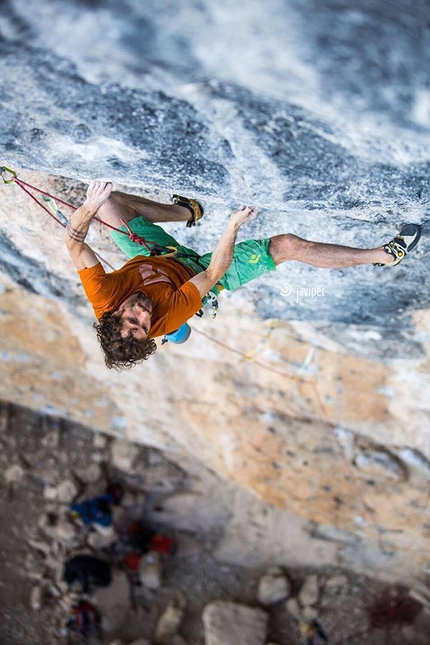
(47, 463)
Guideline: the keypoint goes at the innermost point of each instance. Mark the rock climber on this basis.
(153, 295)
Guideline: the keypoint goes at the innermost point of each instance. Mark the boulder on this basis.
(66, 491)
(229, 623)
(168, 624)
(50, 493)
(293, 608)
(36, 598)
(100, 440)
(336, 581)
(13, 474)
(163, 477)
(123, 455)
(100, 539)
(273, 587)
(309, 613)
(64, 531)
(308, 594)
(90, 474)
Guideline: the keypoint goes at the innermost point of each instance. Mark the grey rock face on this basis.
(317, 112)
(293, 607)
(417, 465)
(380, 464)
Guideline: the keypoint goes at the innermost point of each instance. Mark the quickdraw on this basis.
(154, 249)
(54, 212)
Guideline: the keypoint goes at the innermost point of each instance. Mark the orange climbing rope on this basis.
(247, 357)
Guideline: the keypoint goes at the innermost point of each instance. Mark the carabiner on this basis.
(3, 169)
(157, 250)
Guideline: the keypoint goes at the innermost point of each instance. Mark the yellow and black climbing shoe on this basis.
(404, 242)
(193, 206)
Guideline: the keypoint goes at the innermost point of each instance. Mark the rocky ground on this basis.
(190, 597)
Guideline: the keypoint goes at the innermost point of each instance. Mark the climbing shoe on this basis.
(193, 206)
(404, 242)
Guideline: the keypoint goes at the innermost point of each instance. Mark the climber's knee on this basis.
(285, 247)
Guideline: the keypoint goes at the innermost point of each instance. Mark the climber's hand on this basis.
(79, 222)
(97, 194)
(246, 214)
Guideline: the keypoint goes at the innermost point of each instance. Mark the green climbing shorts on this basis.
(251, 258)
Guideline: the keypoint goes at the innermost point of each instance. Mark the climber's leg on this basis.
(326, 256)
(121, 206)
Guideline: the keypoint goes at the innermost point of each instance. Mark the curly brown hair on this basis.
(121, 353)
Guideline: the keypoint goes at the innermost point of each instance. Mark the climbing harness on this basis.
(155, 250)
(165, 251)
(307, 374)
(181, 335)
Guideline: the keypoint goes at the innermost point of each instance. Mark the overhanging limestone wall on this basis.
(317, 112)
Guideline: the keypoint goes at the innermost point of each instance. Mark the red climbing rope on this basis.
(25, 186)
(370, 513)
(21, 185)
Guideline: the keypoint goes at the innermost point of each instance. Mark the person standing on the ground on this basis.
(154, 295)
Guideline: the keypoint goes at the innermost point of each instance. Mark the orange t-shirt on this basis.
(174, 298)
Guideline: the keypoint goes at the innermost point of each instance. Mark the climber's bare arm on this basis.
(82, 255)
(223, 254)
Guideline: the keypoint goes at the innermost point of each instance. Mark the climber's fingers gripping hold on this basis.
(97, 194)
(246, 214)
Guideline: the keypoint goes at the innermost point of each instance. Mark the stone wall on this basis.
(318, 113)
